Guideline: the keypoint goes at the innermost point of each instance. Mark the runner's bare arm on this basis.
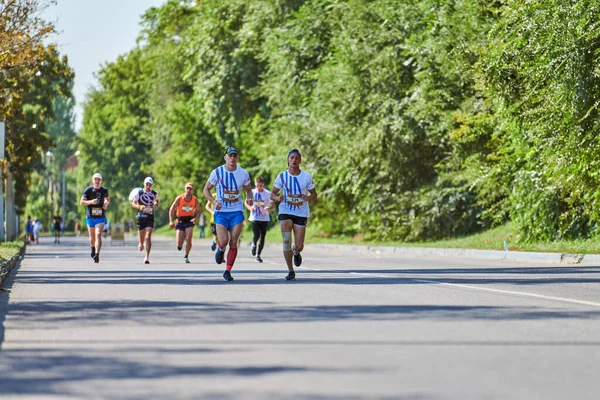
(275, 196)
(208, 207)
(313, 195)
(249, 199)
(207, 188)
(171, 211)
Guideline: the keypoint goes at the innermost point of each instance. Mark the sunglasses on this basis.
(190, 188)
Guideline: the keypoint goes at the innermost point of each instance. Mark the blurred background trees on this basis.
(35, 88)
(419, 120)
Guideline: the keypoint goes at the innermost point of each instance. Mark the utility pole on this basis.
(11, 216)
(2, 141)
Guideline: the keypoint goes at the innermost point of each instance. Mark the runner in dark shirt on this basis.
(96, 199)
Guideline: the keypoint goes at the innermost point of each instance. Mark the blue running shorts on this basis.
(93, 221)
(229, 219)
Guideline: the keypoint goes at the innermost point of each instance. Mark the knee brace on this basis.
(287, 241)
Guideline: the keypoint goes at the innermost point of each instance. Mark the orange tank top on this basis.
(186, 208)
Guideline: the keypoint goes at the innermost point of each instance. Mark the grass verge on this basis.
(492, 239)
(10, 249)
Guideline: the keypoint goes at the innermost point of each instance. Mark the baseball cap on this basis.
(149, 180)
(232, 150)
(97, 175)
(189, 184)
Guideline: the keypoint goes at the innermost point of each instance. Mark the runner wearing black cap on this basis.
(229, 180)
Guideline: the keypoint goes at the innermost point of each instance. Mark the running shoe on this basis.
(93, 253)
(141, 246)
(186, 260)
(297, 259)
(97, 258)
(227, 276)
(258, 259)
(213, 246)
(291, 276)
(179, 248)
(146, 261)
(253, 249)
(219, 255)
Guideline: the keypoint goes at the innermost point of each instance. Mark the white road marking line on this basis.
(539, 296)
(512, 292)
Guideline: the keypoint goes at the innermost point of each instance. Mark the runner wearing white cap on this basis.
(96, 199)
(146, 202)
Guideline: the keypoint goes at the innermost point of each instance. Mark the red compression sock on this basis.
(231, 256)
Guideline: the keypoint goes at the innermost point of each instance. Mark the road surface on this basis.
(352, 326)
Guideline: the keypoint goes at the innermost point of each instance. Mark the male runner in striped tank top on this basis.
(229, 180)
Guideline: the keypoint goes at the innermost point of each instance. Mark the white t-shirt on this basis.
(293, 187)
(261, 200)
(229, 187)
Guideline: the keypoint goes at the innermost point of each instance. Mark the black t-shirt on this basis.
(95, 210)
(146, 199)
(57, 221)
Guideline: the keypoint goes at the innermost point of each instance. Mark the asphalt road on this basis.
(352, 326)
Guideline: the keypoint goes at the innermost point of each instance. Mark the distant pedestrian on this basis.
(202, 224)
(37, 228)
(57, 228)
(28, 230)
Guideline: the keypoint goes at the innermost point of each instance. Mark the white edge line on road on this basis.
(512, 292)
(538, 296)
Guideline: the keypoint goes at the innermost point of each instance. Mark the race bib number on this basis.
(187, 208)
(259, 203)
(231, 196)
(148, 210)
(295, 200)
(96, 212)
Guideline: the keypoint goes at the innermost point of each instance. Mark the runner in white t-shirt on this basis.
(229, 180)
(297, 190)
(259, 216)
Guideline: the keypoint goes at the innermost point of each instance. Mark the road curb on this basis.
(7, 266)
(556, 258)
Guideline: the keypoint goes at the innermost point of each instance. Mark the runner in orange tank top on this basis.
(186, 209)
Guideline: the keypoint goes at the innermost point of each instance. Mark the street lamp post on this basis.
(50, 155)
(2, 138)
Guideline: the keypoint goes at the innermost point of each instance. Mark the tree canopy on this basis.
(419, 120)
(33, 77)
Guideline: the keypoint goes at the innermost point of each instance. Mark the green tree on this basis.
(115, 139)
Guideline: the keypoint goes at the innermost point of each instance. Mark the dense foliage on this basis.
(35, 87)
(418, 119)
